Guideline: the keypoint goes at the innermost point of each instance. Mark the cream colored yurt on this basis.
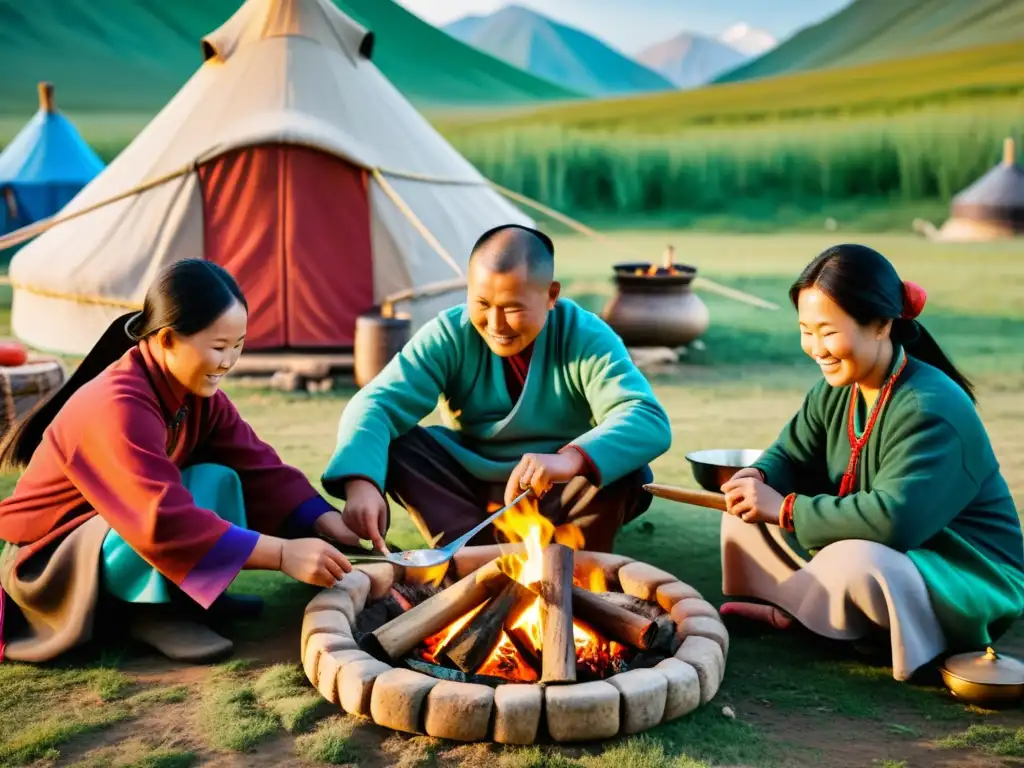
(287, 158)
(992, 208)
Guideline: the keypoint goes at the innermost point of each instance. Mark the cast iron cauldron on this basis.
(654, 306)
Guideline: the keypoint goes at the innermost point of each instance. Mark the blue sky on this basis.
(631, 25)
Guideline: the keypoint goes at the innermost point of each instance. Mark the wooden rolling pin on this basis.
(708, 499)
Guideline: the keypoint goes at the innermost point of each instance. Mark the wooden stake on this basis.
(558, 654)
(46, 100)
(403, 633)
(616, 623)
(472, 644)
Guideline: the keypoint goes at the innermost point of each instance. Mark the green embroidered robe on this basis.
(581, 388)
(928, 484)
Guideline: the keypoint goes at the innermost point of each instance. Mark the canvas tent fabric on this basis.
(44, 166)
(992, 207)
(291, 160)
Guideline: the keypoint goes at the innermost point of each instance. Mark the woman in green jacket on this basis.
(880, 508)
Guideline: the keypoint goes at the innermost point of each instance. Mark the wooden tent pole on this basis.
(420, 227)
(698, 282)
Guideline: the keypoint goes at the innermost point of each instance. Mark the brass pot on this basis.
(656, 310)
(987, 679)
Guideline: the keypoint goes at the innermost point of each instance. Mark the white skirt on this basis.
(845, 592)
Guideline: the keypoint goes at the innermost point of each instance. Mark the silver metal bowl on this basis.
(713, 467)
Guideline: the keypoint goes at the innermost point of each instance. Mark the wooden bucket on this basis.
(377, 340)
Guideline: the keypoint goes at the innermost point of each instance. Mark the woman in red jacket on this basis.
(142, 483)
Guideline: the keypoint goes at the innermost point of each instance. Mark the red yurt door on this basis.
(292, 224)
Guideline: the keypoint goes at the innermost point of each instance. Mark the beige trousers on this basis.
(847, 590)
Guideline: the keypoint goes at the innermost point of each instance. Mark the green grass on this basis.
(330, 743)
(284, 690)
(992, 739)
(232, 716)
(785, 690)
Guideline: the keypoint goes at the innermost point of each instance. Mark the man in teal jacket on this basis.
(535, 392)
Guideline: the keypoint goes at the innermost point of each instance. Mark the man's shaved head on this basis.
(505, 248)
(511, 286)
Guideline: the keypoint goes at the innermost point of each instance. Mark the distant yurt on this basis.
(43, 167)
(992, 208)
(287, 158)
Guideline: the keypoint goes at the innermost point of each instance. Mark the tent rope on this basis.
(77, 298)
(26, 233)
(19, 236)
(425, 233)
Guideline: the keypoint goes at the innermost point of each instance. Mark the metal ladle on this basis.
(427, 558)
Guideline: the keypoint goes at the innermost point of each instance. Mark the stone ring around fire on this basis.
(438, 626)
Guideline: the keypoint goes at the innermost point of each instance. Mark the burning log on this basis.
(527, 645)
(558, 658)
(617, 623)
(403, 633)
(477, 640)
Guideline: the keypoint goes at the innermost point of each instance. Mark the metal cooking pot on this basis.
(654, 306)
(987, 678)
(711, 468)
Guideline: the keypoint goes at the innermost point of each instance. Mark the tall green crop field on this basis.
(928, 155)
(905, 134)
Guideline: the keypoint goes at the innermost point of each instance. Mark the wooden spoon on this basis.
(708, 499)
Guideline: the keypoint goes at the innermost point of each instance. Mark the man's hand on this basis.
(542, 470)
(332, 525)
(366, 512)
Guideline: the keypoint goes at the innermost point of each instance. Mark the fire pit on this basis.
(524, 643)
(654, 305)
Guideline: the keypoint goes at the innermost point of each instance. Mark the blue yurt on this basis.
(45, 166)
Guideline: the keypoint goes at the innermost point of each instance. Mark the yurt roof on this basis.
(276, 72)
(997, 194)
(48, 149)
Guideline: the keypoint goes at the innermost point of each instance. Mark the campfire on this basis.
(530, 617)
(521, 632)
(599, 643)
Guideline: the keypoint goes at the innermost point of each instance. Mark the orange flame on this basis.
(524, 524)
(436, 643)
(505, 661)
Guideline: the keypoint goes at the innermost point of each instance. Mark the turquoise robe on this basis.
(582, 388)
(928, 484)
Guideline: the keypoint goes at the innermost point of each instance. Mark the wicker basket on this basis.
(25, 386)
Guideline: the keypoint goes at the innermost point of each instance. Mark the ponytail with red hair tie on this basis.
(914, 298)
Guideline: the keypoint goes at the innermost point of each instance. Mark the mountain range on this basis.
(556, 52)
(131, 56)
(690, 60)
(868, 31)
(581, 62)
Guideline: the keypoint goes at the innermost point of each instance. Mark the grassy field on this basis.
(871, 147)
(794, 700)
(880, 138)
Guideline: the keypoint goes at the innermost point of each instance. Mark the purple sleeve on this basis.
(219, 567)
(300, 522)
